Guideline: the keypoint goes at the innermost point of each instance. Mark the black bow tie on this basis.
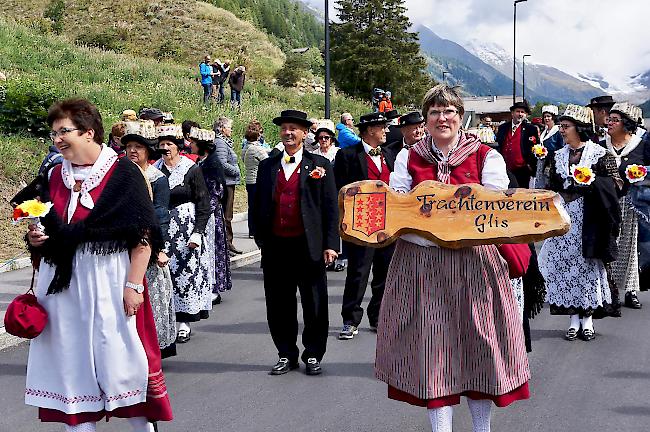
(375, 152)
(290, 159)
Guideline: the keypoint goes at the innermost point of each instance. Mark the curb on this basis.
(240, 217)
(15, 264)
(245, 259)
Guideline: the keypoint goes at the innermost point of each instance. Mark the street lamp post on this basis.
(514, 51)
(327, 59)
(523, 75)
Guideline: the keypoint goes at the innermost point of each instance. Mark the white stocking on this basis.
(481, 411)
(183, 326)
(81, 427)
(441, 418)
(140, 424)
(575, 321)
(587, 323)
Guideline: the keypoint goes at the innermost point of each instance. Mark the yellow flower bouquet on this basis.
(635, 173)
(31, 210)
(582, 175)
(540, 151)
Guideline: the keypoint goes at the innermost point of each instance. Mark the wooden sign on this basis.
(452, 216)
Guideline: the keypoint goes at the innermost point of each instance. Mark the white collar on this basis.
(515, 127)
(367, 147)
(547, 133)
(633, 143)
(98, 171)
(297, 155)
(177, 173)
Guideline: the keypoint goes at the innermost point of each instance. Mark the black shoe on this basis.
(313, 367)
(216, 300)
(631, 300)
(587, 335)
(339, 267)
(571, 334)
(183, 336)
(234, 250)
(283, 366)
(373, 328)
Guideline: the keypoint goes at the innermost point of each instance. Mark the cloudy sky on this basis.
(610, 37)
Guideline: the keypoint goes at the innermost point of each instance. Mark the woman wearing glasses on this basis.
(98, 355)
(449, 324)
(326, 139)
(573, 265)
(623, 143)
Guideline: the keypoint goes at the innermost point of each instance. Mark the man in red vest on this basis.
(368, 160)
(296, 226)
(515, 141)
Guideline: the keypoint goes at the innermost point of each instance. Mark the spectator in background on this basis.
(386, 104)
(236, 83)
(153, 114)
(186, 148)
(253, 155)
(311, 144)
(347, 137)
(115, 138)
(244, 142)
(206, 78)
(222, 72)
(129, 115)
(326, 139)
(228, 158)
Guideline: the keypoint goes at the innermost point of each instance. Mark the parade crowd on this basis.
(137, 247)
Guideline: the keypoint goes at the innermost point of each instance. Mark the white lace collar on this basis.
(547, 133)
(153, 173)
(590, 154)
(631, 145)
(98, 171)
(177, 173)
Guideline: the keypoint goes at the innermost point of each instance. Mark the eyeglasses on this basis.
(448, 113)
(565, 126)
(61, 132)
(324, 138)
(614, 120)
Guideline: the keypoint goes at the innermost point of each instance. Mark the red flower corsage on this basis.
(317, 173)
(533, 139)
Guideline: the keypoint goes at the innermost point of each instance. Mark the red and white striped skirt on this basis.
(449, 326)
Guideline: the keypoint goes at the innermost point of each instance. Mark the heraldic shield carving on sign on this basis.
(369, 212)
(454, 216)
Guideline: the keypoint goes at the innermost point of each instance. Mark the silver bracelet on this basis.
(139, 288)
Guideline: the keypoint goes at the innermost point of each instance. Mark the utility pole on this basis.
(327, 59)
(514, 52)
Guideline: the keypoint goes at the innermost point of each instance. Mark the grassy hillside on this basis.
(288, 21)
(179, 30)
(116, 82)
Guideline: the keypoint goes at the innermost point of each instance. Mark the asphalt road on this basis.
(219, 380)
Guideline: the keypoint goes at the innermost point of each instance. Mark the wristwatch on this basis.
(139, 288)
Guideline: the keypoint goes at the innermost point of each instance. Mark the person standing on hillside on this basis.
(386, 104)
(515, 141)
(222, 72)
(296, 226)
(236, 83)
(347, 137)
(206, 78)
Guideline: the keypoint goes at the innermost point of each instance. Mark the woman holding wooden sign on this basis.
(449, 325)
(584, 174)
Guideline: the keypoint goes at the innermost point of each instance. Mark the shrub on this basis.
(295, 67)
(24, 108)
(106, 40)
(54, 12)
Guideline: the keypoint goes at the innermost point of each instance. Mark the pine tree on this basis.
(372, 47)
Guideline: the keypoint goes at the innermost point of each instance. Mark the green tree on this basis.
(372, 47)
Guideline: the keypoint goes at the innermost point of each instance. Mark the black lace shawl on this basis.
(122, 219)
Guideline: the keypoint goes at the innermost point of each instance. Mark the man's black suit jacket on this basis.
(318, 203)
(351, 165)
(529, 137)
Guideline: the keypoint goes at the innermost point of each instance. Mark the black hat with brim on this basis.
(409, 119)
(293, 116)
(150, 144)
(601, 101)
(151, 114)
(523, 105)
(392, 114)
(372, 119)
(329, 131)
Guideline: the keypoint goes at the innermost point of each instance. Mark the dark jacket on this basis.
(351, 165)
(237, 80)
(529, 137)
(215, 178)
(318, 204)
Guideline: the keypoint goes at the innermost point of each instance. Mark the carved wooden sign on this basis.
(452, 216)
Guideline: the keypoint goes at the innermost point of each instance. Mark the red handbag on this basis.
(518, 258)
(25, 317)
